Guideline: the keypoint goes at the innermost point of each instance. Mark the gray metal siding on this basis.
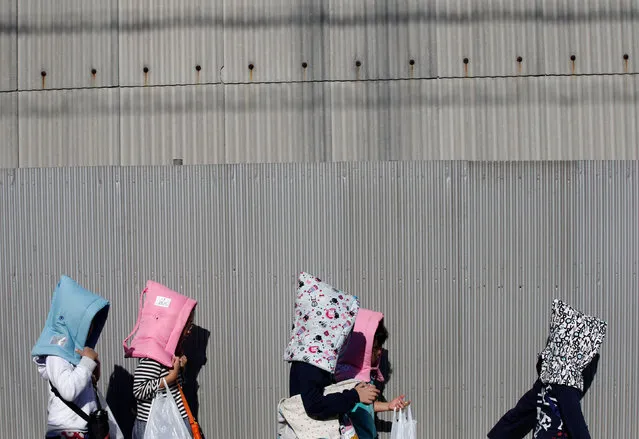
(159, 124)
(490, 35)
(67, 39)
(9, 130)
(272, 123)
(170, 39)
(69, 127)
(597, 33)
(8, 45)
(464, 259)
(532, 118)
(492, 108)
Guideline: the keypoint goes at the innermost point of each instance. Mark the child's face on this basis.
(377, 354)
(188, 327)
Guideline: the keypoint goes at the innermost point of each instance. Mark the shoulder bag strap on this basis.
(70, 404)
(192, 421)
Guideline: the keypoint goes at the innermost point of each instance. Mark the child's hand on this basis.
(88, 352)
(183, 361)
(398, 403)
(173, 373)
(367, 393)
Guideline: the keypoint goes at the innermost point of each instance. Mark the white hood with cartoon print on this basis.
(323, 320)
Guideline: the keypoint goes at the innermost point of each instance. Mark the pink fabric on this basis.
(162, 316)
(355, 360)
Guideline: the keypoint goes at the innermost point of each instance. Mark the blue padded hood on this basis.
(73, 308)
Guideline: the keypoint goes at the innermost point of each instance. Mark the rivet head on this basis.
(573, 57)
(304, 65)
(43, 73)
(145, 70)
(411, 62)
(626, 56)
(520, 59)
(198, 67)
(251, 66)
(466, 60)
(358, 63)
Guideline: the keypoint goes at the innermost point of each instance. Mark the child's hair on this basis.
(381, 334)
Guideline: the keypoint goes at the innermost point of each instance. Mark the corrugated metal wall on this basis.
(464, 259)
(301, 80)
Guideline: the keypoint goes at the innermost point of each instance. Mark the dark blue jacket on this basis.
(309, 382)
(521, 419)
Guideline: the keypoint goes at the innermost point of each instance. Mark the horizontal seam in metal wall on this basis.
(323, 81)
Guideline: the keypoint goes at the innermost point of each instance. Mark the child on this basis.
(165, 320)
(65, 357)
(566, 368)
(519, 421)
(323, 320)
(360, 360)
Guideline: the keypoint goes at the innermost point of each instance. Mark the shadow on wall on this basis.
(195, 350)
(120, 399)
(387, 370)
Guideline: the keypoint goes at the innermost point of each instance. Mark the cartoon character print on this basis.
(323, 319)
(574, 340)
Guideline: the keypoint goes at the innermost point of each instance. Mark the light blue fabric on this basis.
(73, 308)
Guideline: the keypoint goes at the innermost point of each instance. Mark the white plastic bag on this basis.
(404, 426)
(165, 421)
(114, 428)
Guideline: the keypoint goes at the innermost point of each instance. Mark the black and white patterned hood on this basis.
(574, 340)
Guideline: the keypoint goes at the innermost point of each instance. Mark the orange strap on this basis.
(197, 434)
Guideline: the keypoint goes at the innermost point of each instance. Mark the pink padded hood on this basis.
(162, 316)
(355, 360)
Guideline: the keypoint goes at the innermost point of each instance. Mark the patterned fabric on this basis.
(549, 423)
(324, 318)
(292, 416)
(574, 340)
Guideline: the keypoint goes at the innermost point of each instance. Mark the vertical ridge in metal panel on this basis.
(9, 150)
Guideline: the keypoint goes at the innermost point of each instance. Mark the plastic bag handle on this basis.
(137, 323)
(402, 416)
(167, 390)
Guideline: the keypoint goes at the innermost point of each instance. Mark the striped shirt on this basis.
(146, 383)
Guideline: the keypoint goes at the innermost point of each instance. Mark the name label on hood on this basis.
(59, 340)
(164, 302)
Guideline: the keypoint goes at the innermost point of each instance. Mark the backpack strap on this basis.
(137, 323)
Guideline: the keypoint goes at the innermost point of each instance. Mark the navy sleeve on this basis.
(309, 382)
(568, 400)
(521, 419)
